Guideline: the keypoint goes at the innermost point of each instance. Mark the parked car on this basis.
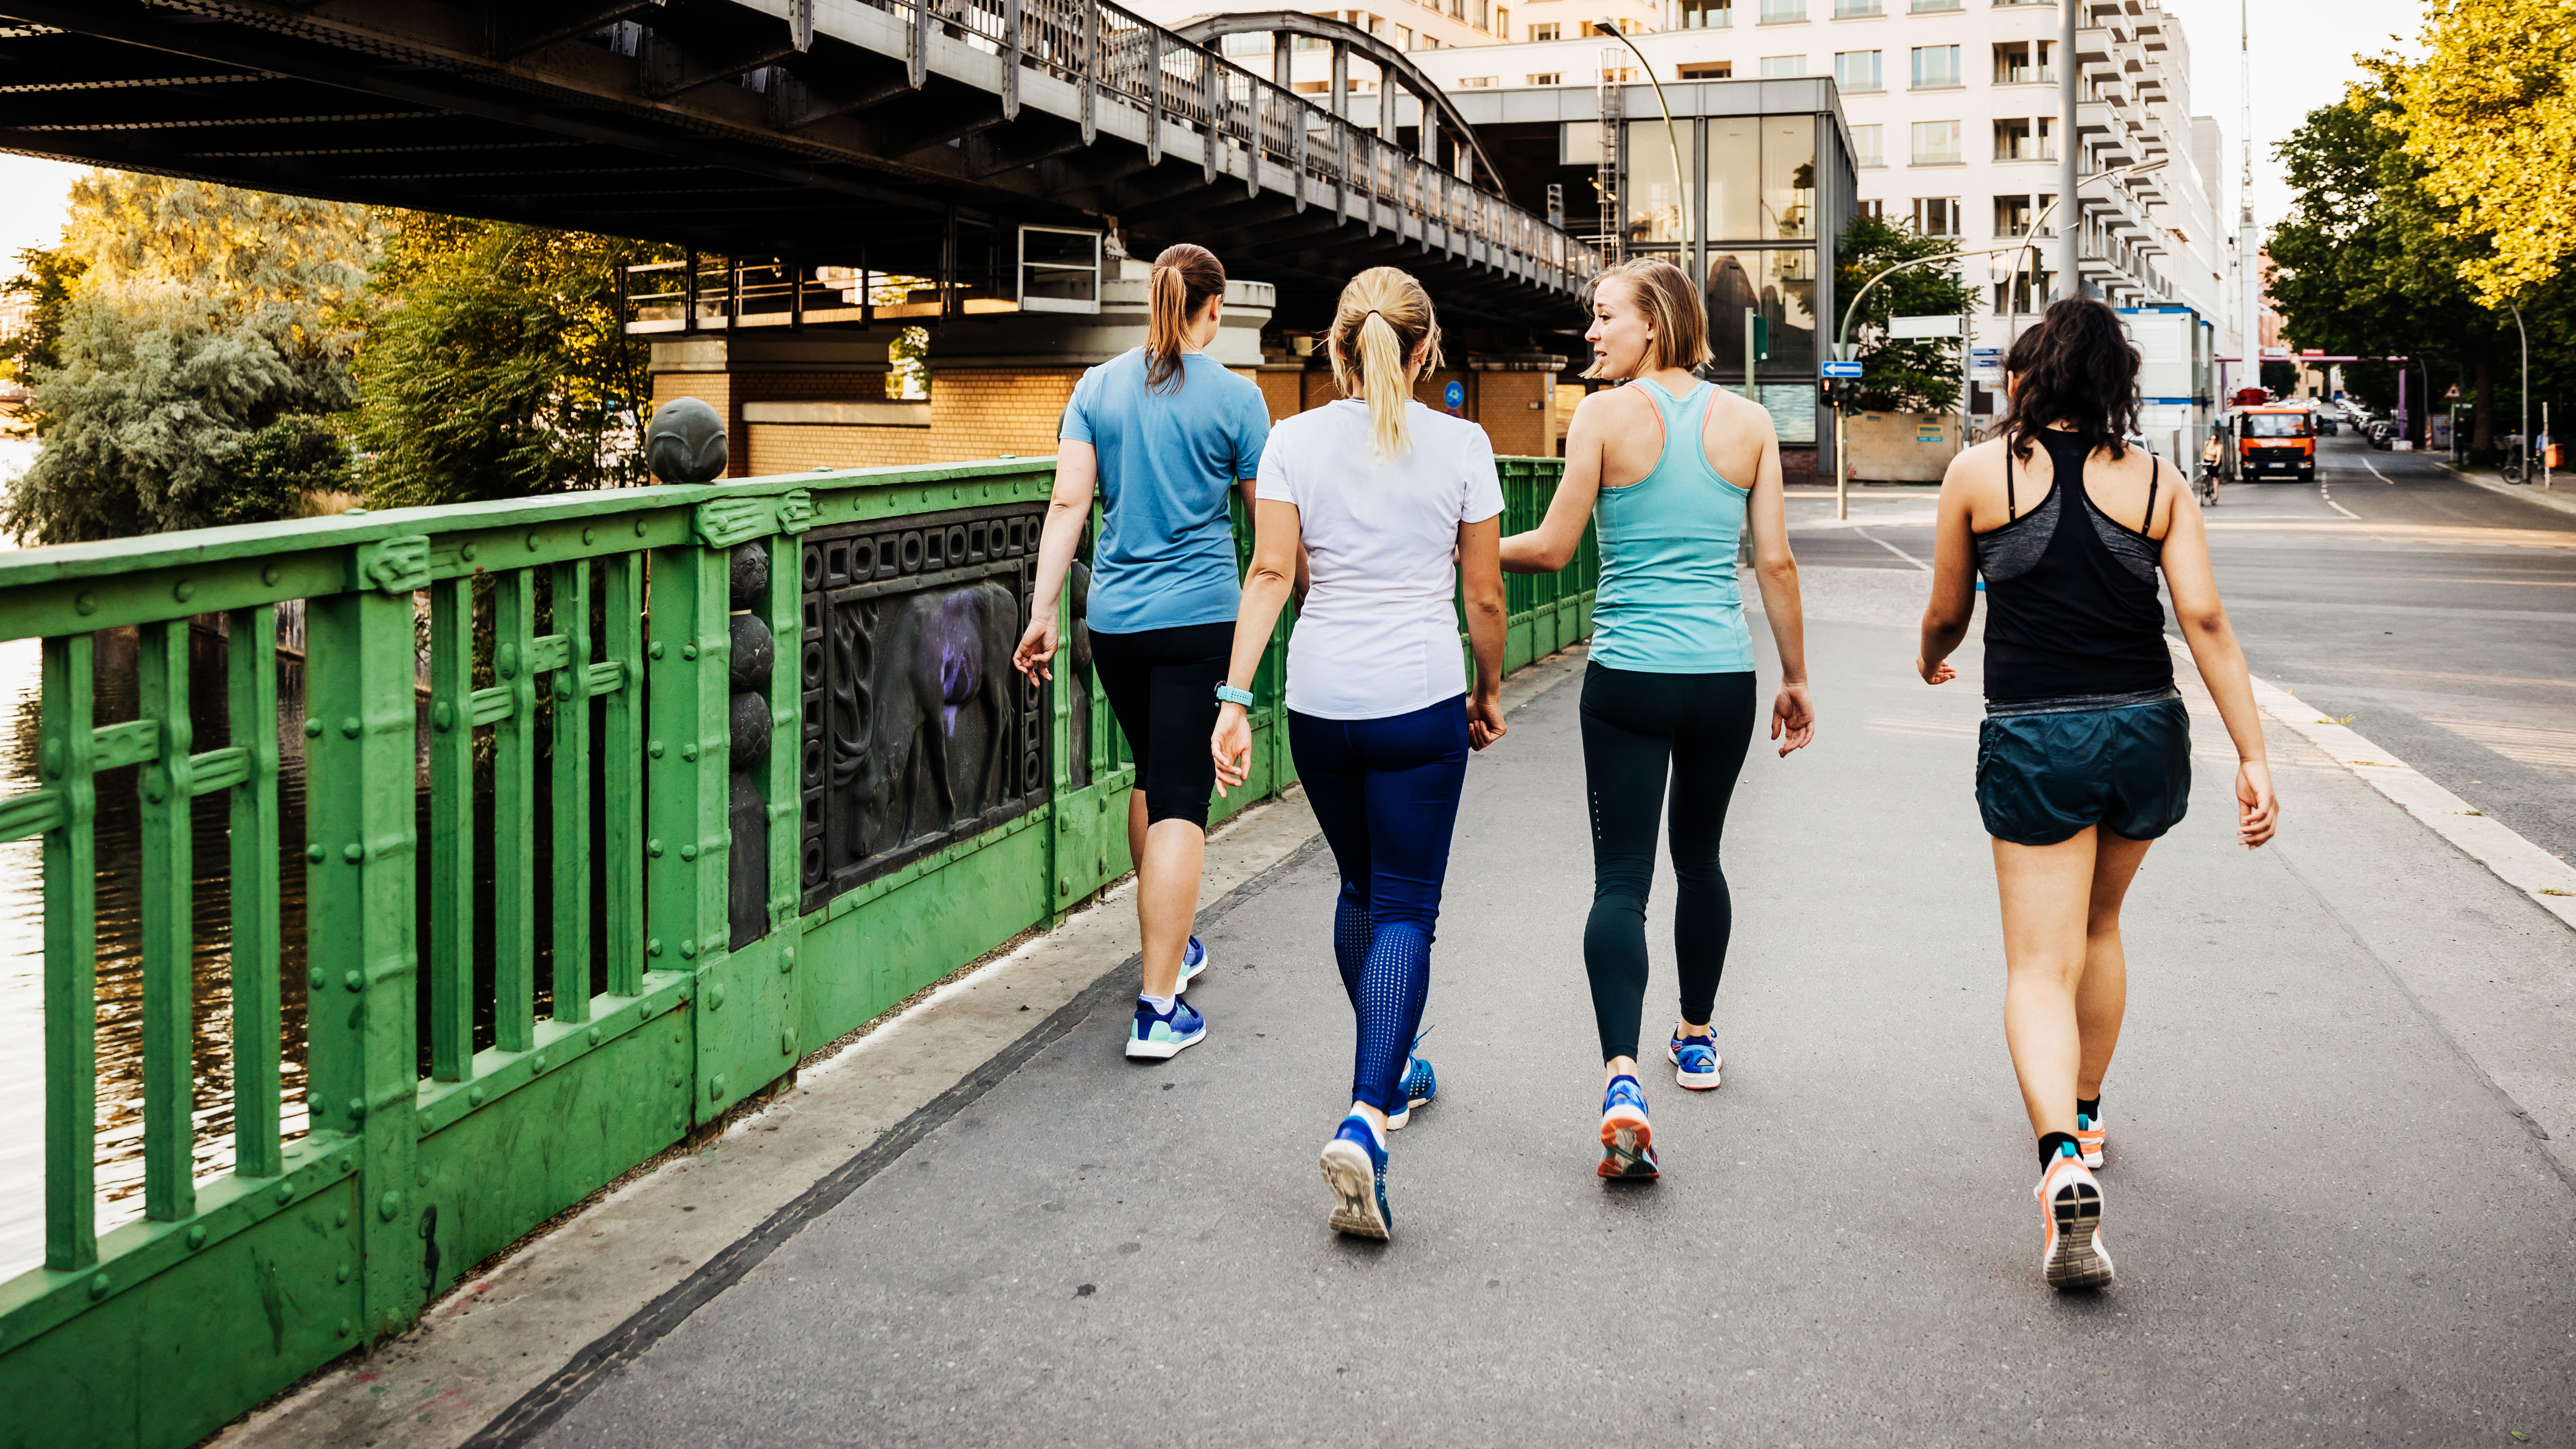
(2325, 423)
(2382, 433)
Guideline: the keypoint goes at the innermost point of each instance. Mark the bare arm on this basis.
(1480, 576)
(1077, 472)
(1551, 545)
(1276, 551)
(1775, 573)
(2221, 660)
(1252, 510)
(1954, 579)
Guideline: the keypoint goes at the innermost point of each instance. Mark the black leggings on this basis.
(1162, 684)
(1635, 723)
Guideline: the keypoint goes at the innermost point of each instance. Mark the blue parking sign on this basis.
(1454, 395)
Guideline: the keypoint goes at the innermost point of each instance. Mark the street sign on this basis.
(2454, 393)
(1454, 395)
(1986, 364)
(1840, 369)
(1946, 325)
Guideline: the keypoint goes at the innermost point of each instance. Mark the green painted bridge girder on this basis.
(424, 1156)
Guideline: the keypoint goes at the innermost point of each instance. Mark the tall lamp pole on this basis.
(2524, 461)
(1672, 135)
(2068, 283)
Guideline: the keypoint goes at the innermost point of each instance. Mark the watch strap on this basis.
(1228, 694)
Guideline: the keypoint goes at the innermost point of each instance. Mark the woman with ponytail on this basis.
(1164, 432)
(1392, 505)
(2085, 755)
(1674, 471)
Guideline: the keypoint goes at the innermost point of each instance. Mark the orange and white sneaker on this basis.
(2088, 1138)
(2071, 1254)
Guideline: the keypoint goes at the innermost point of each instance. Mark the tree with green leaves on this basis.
(1912, 375)
(198, 333)
(496, 365)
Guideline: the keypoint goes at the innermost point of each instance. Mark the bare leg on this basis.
(1168, 859)
(2102, 997)
(2046, 892)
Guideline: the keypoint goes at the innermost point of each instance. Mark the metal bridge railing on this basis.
(629, 849)
(1250, 127)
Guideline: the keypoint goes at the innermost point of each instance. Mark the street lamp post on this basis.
(2040, 224)
(2523, 467)
(1672, 135)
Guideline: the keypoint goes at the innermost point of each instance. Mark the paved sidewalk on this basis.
(2336, 1218)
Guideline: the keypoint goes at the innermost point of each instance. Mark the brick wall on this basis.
(974, 413)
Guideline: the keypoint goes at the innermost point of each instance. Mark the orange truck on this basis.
(2270, 440)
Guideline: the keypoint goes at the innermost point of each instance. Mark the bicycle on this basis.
(2520, 463)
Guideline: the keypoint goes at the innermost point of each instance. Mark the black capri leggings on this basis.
(1634, 725)
(1162, 684)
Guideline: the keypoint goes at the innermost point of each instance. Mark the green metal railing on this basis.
(476, 1061)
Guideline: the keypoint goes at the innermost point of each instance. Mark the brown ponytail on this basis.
(1185, 276)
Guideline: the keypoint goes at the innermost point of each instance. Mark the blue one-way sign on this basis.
(1840, 369)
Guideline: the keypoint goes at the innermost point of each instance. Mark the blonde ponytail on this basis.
(1185, 276)
(1383, 317)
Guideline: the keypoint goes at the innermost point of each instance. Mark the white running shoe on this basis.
(2071, 1254)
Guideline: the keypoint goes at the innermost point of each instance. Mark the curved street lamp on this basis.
(1681, 182)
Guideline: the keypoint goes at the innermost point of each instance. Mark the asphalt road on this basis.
(2332, 1225)
(2439, 615)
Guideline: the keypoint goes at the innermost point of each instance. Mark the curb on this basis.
(2551, 498)
(2549, 881)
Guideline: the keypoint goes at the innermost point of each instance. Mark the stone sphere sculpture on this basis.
(686, 442)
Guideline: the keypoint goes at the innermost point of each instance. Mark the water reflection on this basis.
(120, 1012)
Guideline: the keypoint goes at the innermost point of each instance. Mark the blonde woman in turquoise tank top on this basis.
(1672, 470)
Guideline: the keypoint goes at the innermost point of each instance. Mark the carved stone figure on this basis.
(937, 653)
(685, 442)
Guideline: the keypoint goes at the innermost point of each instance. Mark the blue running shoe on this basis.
(1161, 1036)
(1419, 1084)
(1194, 959)
(1694, 1062)
(1627, 1139)
(1355, 1169)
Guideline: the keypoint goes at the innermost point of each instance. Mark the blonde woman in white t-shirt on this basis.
(1393, 504)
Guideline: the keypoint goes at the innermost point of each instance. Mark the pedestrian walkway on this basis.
(2336, 1216)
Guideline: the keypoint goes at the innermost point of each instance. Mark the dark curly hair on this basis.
(2076, 367)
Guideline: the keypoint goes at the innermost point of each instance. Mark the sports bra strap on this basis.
(2011, 512)
(2153, 474)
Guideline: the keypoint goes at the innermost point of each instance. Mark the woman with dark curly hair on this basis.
(2085, 755)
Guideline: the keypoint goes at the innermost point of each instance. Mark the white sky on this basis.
(2303, 58)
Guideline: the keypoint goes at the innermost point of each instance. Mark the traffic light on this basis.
(1761, 338)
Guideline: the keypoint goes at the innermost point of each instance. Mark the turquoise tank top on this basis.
(1668, 601)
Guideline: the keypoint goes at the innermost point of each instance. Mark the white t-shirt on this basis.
(1379, 632)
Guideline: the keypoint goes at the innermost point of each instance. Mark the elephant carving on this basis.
(936, 655)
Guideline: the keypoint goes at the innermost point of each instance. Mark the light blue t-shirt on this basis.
(1165, 556)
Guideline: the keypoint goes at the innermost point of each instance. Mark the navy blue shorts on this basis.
(2046, 774)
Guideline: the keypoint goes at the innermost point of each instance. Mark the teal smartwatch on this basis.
(1228, 694)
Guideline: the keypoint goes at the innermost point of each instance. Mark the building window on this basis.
(2012, 216)
(1936, 215)
(1619, 75)
(1503, 23)
(1857, 70)
(1867, 149)
(1484, 15)
(1404, 37)
(1856, 9)
(1709, 70)
(1707, 14)
(1059, 269)
(1778, 66)
(2024, 62)
(1935, 66)
(1548, 78)
(1543, 32)
(1874, 208)
(1925, 6)
(1936, 143)
(1479, 82)
(1783, 12)
(2025, 140)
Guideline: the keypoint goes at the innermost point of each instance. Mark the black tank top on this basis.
(2071, 607)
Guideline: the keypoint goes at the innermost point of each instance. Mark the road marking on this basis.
(2549, 881)
(2375, 473)
(1892, 548)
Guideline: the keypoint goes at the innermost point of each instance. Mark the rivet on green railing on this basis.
(85, 602)
(442, 717)
(715, 1093)
(346, 1271)
(98, 1286)
(184, 590)
(314, 852)
(786, 959)
(715, 997)
(271, 574)
(353, 852)
(594, 1036)
(689, 753)
(533, 542)
(313, 729)
(589, 535)
(354, 981)
(688, 852)
(688, 950)
(540, 1064)
(196, 1235)
(389, 1206)
(465, 552)
(286, 1192)
(653, 848)
(654, 946)
(357, 1109)
(474, 1095)
(350, 727)
(688, 651)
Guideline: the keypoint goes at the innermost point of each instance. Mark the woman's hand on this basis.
(1794, 716)
(2257, 813)
(1485, 718)
(1037, 648)
(1232, 746)
(1940, 673)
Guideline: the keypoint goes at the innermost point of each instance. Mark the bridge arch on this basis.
(1346, 40)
